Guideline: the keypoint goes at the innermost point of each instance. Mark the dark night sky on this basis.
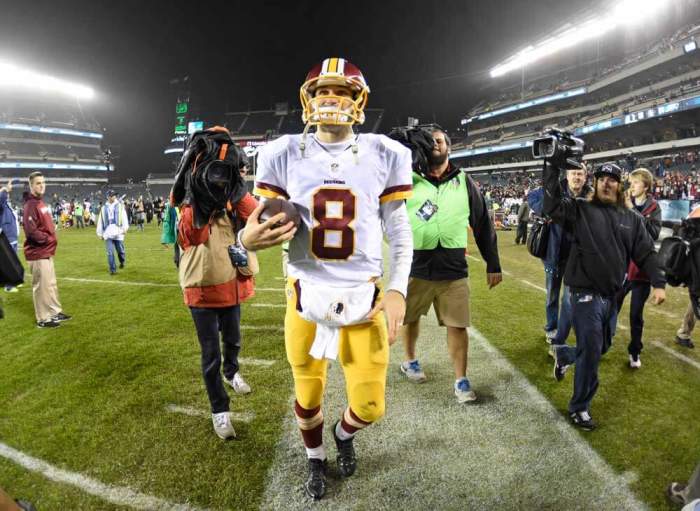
(426, 59)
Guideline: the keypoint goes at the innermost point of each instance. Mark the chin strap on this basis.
(302, 144)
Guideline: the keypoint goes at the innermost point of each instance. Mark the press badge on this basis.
(426, 211)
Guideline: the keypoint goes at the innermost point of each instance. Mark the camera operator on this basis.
(606, 236)
(215, 276)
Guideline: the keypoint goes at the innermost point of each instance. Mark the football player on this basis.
(349, 190)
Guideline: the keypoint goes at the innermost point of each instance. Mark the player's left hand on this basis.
(493, 279)
(394, 306)
(658, 296)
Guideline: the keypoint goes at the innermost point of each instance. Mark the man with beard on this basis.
(445, 203)
(606, 236)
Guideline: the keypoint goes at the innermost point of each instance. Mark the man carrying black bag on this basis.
(606, 236)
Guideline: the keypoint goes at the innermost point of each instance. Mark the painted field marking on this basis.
(674, 353)
(262, 327)
(119, 282)
(256, 362)
(540, 288)
(119, 495)
(512, 425)
(273, 305)
(206, 414)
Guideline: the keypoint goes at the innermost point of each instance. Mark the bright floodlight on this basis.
(14, 76)
(625, 12)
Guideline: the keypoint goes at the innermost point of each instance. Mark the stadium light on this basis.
(625, 12)
(14, 76)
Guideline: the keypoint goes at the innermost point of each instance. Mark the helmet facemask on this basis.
(345, 112)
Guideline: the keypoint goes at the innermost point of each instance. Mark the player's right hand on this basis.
(258, 236)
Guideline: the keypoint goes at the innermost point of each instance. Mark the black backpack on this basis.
(538, 237)
(11, 270)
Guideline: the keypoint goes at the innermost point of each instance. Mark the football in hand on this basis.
(276, 206)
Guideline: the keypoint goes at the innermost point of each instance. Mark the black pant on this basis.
(521, 236)
(640, 293)
(209, 322)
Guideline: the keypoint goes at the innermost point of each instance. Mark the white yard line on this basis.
(674, 353)
(119, 282)
(510, 450)
(118, 495)
(540, 288)
(273, 305)
(206, 414)
(256, 362)
(152, 284)
(263, 327)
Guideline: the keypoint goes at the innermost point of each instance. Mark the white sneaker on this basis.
(635, 364)
(463, 391)
(413, 371)
(222, 425)
(238, 384)
(548, 336)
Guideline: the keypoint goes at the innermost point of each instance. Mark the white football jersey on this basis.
(338, 194)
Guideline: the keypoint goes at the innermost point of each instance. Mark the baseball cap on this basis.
(609, 169)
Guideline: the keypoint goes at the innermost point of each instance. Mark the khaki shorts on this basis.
(450, 298)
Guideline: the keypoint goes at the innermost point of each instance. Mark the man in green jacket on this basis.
(445, 203)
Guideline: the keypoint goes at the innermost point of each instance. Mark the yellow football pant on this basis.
(363, 353)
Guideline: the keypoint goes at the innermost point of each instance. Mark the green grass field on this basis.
(91, 397)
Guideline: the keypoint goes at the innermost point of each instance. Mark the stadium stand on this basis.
(641, 110)
(56, 135)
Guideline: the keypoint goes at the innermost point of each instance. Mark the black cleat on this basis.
(315, 485)
(582, 420)
(121, 264)
(686, 343)
(347, 461)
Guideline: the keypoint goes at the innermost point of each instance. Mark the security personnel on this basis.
(445, 203)
(606, 236)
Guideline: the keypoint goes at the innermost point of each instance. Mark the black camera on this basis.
(238, 256)
(559, 147)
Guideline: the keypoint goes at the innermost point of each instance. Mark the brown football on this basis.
(276, 206)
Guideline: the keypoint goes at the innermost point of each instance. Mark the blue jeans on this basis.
(564, 324)
(640, 292)
(553, 284)
(594, 318)
(209, 322)
(13, 244)
(110, 245)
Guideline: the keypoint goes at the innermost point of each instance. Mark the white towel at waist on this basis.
(332, 308)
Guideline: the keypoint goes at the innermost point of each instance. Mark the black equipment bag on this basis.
(11, 270)
(675, 261)
(538, 237)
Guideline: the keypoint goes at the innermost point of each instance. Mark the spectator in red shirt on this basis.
(39, 249)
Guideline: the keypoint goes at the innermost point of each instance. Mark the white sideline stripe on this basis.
(121, 282)
(540, 288)
(586, 452)
(196, 412)
(528, 283)
(153, 284)
(262, 327)
(679, 356)
(256, 362)
(119, 495)
(274, 305)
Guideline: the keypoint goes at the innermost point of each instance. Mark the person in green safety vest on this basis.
(445, 203)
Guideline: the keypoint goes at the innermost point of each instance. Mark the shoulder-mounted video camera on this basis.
(560, 148)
